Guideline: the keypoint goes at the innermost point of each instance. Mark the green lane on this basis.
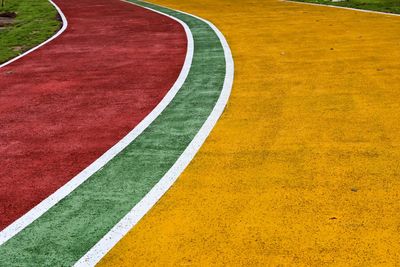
(67, 231)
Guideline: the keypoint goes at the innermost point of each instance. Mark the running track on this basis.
(274, 183)
(64, 105)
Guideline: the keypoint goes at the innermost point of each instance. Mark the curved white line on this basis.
(18, 225)
(98, 251)
(63, 28)
(343, 7)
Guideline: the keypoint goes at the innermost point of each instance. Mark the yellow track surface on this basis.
(304, 166)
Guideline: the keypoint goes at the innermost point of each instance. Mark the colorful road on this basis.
(68, 230)
(301, 169)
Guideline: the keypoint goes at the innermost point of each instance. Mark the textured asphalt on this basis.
(67, 103)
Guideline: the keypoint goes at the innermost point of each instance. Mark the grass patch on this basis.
(35, 22)
(389, 6)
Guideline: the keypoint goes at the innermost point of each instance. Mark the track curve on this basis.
(67, 103)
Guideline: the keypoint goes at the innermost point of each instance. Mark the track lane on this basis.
(65, 104)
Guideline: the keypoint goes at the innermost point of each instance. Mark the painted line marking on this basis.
(63, 28)
(29, 217)
(98, 251)
(343, 7)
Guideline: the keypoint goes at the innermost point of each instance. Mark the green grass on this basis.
(389, 6)
(36, 21)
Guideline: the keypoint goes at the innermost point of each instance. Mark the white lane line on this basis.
(18, 225)
(63, 28)
(343, 7)
(98, 251)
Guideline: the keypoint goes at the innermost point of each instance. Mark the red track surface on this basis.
(64, 105)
